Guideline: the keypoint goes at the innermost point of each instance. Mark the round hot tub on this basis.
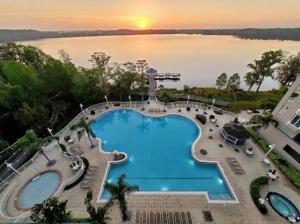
(38, 189)
(283, 206)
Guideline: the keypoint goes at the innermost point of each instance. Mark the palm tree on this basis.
(50, 211)
(165, 98)
(99, 215)
(266, 120)
(84, 128)
(118, 192)
(50, 161)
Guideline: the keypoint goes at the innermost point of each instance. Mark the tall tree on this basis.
(289, 70)
(100, 62)
(51, 211)
(141, 66)
(250, 79)
(221, 81)
(233, 82)
(265, 66)
(84, 128)
(64, 56)
(119, 191)
(99, 215)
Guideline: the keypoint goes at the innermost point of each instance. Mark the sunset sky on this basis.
(141, 14)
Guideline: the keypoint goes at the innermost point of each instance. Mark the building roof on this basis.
(151, 71)
(236, 130)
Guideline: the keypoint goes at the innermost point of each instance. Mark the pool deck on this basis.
(242, 212)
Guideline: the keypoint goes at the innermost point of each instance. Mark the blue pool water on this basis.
(159, 151)
(282, 205)
(35, 192)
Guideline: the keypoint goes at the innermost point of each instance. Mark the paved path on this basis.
(243, 212)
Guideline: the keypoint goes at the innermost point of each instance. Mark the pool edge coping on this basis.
(205, 193)
(16, 204)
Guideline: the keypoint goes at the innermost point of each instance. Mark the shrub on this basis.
(255, 192)
(291, 173)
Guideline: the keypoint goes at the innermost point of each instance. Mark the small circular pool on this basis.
(282, 205)
(38, 189)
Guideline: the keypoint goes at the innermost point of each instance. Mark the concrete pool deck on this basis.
(243, 212)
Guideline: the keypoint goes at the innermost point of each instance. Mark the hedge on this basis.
(255, 192)
(291, 173)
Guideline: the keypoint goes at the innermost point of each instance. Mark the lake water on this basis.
(199, 59)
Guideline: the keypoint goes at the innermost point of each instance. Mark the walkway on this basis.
(243, 212)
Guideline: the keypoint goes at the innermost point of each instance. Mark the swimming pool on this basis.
(282, 205)
(38, 189)
(159, 154)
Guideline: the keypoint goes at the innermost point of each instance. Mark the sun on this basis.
(142, 23)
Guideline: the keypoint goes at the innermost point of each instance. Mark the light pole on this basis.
(187, 101)
(143, 101)
(265, 160)
(271, 147)
(9, 165)
(105, 97)
(213, 103)
(50, 132)
(129, 97)
(81, 107)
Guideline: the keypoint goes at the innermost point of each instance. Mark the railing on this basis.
(200, 99)
(72, 179)
(122, 104)
(4, 182)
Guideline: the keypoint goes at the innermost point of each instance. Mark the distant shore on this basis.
(293, 34)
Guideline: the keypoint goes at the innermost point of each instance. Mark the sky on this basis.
(144, 14)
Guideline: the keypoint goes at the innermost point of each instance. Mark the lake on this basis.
(199, 58)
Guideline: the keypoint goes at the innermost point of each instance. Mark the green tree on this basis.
(99, 215)
(264, 121)
(84, 128)
(118, 192)
(265, 66)
(141, 66)
(101, 68)
(51, 211)
(16, 73)
(289, 70)
(57, 79)
(221, 81)
(64, 56)
(233, 82)
(250, 79)
(130, 67)
(164, 96)
(85, 87)
(3, 144)
(35, 116)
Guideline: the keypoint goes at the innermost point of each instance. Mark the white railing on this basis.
(72, 179)
(4, 182)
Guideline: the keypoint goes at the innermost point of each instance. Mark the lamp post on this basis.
(143, 101)
(129, 97)
(187, 101)
(81, 107)
(9, 165)
(213, 103)
(271, 147)
(105, 97)
(50, 132)
(265, 160)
